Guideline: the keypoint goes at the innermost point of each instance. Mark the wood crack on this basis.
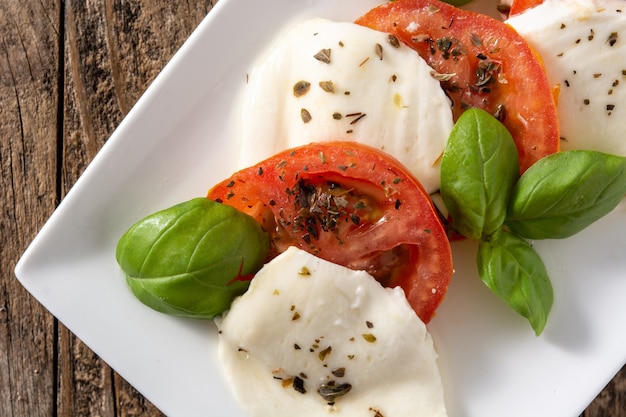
(60, 152)
(55, 29)
(74, 60)
(115, 59)
(60, 141)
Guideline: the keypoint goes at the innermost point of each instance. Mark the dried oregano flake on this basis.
(323, 56)
(301, 88)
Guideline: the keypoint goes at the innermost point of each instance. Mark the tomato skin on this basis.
(374, 215)
(484, 63)
(520, 6)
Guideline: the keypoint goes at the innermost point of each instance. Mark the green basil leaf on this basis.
(185, 260)
(513, 270)
(479, 167)
(563, 193)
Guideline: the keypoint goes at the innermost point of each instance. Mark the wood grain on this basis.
(29, 131)
(70, 70)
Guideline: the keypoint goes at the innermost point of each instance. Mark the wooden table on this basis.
(70, 70)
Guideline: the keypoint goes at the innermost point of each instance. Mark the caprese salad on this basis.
(368, 147)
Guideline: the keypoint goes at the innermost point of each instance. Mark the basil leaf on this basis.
(479, 167)
(563, 193)
(513, 270)
(185, 260)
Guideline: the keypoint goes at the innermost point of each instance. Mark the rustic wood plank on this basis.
(113, 51)
(611, 402)
(29, 41)
(84, 381)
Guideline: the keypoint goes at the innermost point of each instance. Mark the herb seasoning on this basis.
(301, 88)
(379, 51)
(393, 41)
(368, 337)
(298, 385)
(323, 56)
(305, 115)
(376, 412)
(324, 353)
(330, 391)
(327, 86)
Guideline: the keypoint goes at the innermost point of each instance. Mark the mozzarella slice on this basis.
(583, 45)
(311, 338)
(329, 80)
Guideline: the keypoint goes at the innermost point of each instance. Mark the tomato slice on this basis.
(520, 6)
(480, 62)
(353, 205)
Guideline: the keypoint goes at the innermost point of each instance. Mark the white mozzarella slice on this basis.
(329, 80)
(307, 326)
(583, 45)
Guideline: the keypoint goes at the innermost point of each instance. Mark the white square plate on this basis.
(176, 143)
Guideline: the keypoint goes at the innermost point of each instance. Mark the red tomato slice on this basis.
(353, 205)
(520, 6)
(481, 62)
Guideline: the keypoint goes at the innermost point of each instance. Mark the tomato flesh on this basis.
(480, 62)
(353, 205)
